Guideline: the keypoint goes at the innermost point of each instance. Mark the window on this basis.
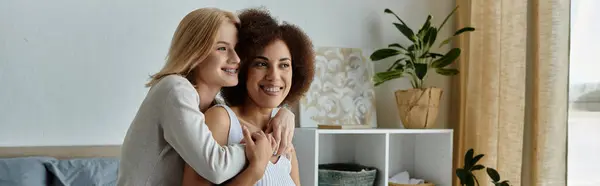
(583, 163)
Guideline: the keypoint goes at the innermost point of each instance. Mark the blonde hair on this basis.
(193, 41)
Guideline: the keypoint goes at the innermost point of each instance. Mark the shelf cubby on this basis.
(424, 153)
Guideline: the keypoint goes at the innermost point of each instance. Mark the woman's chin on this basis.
(230, 83)
(269, 104)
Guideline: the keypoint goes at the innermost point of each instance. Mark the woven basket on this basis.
(346, 174)
(424, 184)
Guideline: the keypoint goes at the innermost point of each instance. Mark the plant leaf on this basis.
(411, 48)
(425, 37)
(504, 183)
(462, 176)
(447, 72)
(382, 77)
(432, 36)
(471, 180)
(409, 64)
(447, 17)
(425, 27)
(447, 59)
(476, 159)
(420, 70)
(468, 159)
(387, 10)
(406, 31)
(465, 29)
(446, 41)
(477, 167)
(397, 65)
(397, 46)
(411, 59)
(384, 53)
(432, 55)
(493, 174)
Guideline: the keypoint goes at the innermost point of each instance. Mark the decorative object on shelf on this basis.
(466, 176)
(418, 107)
(342, 94)
(347, 174)
(403, 179)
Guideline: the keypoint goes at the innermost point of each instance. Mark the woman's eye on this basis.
(261, 64)
(222, 48)
(285, 65)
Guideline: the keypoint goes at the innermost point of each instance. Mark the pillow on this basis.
(28, 171)
(86, 171)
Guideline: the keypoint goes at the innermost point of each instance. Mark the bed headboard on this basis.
(62, 152)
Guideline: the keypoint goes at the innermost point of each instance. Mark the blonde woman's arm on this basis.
(185, 130)
(219, 124)
(282, 128)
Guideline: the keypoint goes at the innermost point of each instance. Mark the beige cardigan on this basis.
(168, 130)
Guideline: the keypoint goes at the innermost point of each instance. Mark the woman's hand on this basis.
(258, 150)
(282, 128)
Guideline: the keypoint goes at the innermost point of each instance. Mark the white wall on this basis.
(72, 72)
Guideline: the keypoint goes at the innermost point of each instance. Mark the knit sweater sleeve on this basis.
(185, 130)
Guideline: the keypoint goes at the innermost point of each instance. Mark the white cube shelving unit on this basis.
(424, 153)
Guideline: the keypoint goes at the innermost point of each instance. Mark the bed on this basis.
(59, 165)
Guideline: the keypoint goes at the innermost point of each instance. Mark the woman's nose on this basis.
(233, 57)
(272, 73)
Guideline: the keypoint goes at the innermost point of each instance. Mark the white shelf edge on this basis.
(378, 131)
(386, 171)
(316, 166)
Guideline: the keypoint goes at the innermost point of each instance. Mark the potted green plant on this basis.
(418, 107)
(468, 178)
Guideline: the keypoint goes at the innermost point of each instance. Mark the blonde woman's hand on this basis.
(282, 128)
(258, 149)
(273, 142)
(270, 137)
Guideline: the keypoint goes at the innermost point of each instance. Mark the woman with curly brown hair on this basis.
(276, 68)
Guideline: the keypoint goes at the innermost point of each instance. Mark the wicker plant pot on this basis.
(346, 174)
(418, 108)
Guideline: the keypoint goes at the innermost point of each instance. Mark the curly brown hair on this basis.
(258, 29)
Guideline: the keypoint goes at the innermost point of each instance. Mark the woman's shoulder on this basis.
(173, 89)
(218, 108)
(218, 115)
(223, 112)
(219, 122)
(173, 82)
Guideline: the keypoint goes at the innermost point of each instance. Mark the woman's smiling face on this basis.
(270, 75)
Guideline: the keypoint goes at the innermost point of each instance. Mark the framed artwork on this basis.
(342, 94)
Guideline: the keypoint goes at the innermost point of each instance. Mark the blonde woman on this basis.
(169, 129)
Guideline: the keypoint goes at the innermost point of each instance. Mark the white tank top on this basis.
(276, 174)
